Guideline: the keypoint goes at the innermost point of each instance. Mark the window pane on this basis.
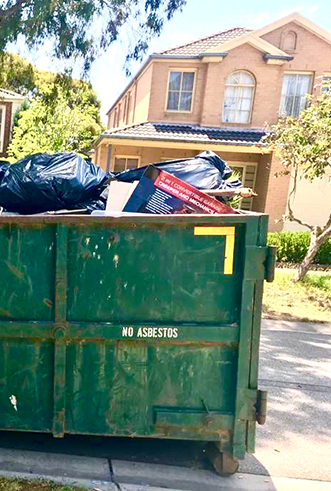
(294, 91)
(234, 79)
(229, 116)
(326, 84)
(119, 165)
(240, 78)
(247, 92)
(188, 79)
(185, 101)
(237, 104)
(242, 117)
(132, 163)
(303, 86)
(245, 104)
(173, 101)
(246, 79)
(174, 83)
(289, 84)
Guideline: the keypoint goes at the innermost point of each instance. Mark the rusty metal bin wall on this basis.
(137, 326)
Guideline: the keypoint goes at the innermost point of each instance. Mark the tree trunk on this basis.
(316, 240)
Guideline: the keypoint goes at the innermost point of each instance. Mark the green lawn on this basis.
(309, 300)
(20, 485)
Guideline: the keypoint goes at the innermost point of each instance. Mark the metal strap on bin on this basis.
(60, 331)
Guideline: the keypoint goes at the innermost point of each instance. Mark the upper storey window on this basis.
(296, 86)
(180, 91)
(238, 97)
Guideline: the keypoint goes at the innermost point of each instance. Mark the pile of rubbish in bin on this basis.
(43, 183)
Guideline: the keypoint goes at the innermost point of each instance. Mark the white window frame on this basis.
(125, 157)
(311, 74)
(242, 85)
(244, 166)
(182, 70)
(3, 123)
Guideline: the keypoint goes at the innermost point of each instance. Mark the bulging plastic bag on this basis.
(204, 171)
(43, 182)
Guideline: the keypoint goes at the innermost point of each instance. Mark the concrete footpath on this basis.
(293, 448)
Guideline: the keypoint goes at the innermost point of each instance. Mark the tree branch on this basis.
(326, 231)
(291, 216)
(5, 13)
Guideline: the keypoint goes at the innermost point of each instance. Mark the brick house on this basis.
(10, 102)
(217, 93)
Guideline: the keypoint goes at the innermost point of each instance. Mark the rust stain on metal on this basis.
(48, 302)
(19, 274)
(4, 312)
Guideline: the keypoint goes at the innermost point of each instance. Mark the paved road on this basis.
(293, 447)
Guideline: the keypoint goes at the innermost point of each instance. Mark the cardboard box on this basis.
(161, 193)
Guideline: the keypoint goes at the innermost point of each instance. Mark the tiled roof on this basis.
(187, 133)
(10, 94)
(202, 45)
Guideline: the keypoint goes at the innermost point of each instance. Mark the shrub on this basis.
(292, 247)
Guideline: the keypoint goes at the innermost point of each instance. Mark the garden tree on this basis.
(55, 121)
(303, 145)
(46, 92)
(21, 76)
(81, 29)
(17, 74)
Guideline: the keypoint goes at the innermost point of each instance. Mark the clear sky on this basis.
(199, 18)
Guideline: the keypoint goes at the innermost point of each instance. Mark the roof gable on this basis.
(298, 19)
(232, 38)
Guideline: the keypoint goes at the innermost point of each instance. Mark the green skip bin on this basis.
(144, 326)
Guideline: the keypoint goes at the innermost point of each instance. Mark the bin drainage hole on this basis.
(13, 401)
(112, 475)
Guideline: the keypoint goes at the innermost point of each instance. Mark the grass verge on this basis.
(308, 301)
(22, 485)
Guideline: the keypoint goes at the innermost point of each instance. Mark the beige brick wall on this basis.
(261, 183)
(276, 199)
(149, 93)
(159, 92)
(308, 47)
(265, 104)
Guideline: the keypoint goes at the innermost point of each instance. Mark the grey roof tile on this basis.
(187, 133)
(202, 45)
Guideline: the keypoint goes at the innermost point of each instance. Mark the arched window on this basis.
(289, 41)
(238, 97)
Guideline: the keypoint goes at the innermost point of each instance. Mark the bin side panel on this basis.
(26, 385)
(152, 274)
(27, 270)
(118, 388)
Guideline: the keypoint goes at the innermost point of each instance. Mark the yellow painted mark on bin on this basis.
(229, 233)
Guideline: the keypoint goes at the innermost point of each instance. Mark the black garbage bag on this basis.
(3, 167)
(43, 182)
(204, 171)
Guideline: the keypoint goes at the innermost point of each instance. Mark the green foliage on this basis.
(60, 113)
(53, 126)
(293, 246)
(84, 28)
(303, 144)
(17, 74)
